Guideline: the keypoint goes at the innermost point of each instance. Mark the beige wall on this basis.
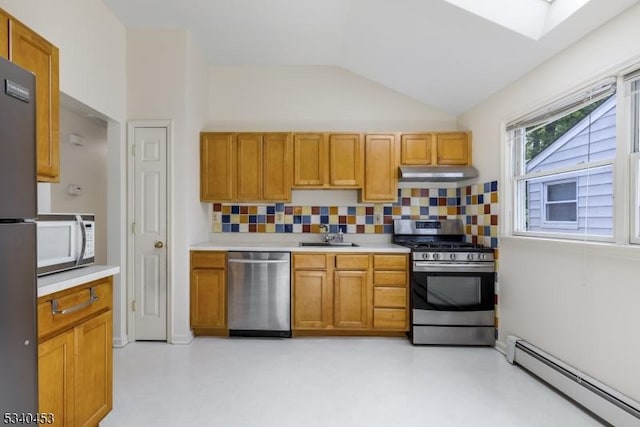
(576, 301)
(312, 98)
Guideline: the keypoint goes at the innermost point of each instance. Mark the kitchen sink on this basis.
(328, 244)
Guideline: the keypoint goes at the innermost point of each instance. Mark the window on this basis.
(563, 166)
(561, 202)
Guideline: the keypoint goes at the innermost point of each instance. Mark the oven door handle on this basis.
(446, 267)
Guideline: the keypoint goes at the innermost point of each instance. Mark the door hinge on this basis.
(133, 227)
(133, 306)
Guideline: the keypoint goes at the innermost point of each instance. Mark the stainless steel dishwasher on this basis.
(259, 293)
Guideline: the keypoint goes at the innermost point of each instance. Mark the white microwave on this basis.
(65, 241)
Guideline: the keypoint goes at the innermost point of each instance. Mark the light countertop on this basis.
(68, 279)
(294, 247)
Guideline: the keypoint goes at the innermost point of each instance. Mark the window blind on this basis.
(568, 104)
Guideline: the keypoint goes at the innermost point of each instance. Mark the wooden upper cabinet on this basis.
(32, 52)
(4, 35)
(380, 182)
(249, 158)
(217, 167)
(310, 159)
(453, 148)
(416, 149)
(277, 158)
(346, 158)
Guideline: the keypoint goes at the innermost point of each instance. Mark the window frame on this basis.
(545, 202)
(634, 228)
(519, 176)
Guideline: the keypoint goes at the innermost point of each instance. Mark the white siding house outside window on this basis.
(563, 166)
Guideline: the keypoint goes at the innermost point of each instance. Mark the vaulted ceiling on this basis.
(430, 50)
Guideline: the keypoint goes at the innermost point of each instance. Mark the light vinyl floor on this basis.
(322, 382)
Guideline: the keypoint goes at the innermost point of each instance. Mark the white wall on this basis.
(575, 301)
(312, 98)
(84, 165)
(92, 43)
(166, 75)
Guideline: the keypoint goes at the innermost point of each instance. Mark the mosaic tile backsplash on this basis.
(476, 205)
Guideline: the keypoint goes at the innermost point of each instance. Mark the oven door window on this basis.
(453, 292)
(457, 292)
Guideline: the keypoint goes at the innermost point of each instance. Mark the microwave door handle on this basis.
(83, 229)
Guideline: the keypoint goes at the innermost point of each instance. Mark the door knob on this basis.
(158, 244)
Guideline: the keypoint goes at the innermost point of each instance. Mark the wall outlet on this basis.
(217, 217)
(279, 217)
(377, 219)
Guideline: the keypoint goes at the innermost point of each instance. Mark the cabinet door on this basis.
(4, 35)
(454, 149)
(277, 159)
(217, 167)
(55, 378)
(34, 53)
(416, 149)
(310, 157)
(346, 159)
(311, 300)
(208, 298)
(249, 172)
(351, 300)
(380, 182)
(93, 370)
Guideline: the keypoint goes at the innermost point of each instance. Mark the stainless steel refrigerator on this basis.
(18, 332)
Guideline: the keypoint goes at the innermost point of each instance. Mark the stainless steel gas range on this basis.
(452, 284)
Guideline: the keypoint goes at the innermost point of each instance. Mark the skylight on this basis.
(531, 18)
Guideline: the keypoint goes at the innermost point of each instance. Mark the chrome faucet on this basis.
(329, 237)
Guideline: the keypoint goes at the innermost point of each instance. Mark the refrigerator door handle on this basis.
(83, 229)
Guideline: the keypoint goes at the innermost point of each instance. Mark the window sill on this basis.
(625, 250)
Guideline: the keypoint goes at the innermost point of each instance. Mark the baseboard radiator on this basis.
(600, 399)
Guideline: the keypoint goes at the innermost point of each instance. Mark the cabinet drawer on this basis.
(390, 262)
(352, 262)
(310, 261)
(390, 297)
(73, 306)
(389, 318)
(390, 278)
(204, 259)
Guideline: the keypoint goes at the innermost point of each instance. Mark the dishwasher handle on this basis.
(259, 261)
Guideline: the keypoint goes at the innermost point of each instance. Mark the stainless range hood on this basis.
(436, 173)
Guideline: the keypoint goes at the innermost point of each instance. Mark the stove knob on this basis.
(483, 257)
(470, 257)
(452, 256)
(436, 256)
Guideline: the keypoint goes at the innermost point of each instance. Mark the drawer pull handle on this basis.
(92, 298)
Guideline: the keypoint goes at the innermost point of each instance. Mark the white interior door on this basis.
(150, 233)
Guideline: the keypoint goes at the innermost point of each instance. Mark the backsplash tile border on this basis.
(476, 204)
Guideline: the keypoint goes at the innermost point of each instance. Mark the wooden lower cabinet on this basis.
(311, 299)
(351, 299)
(75, 362)
(208, 298)
(55, 378)
(355, 293)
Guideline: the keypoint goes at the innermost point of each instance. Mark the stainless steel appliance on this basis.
(259, 293)
(18, 335)
(452, 284)
(65, 241)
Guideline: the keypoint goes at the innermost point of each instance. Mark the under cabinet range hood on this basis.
(436, 173)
